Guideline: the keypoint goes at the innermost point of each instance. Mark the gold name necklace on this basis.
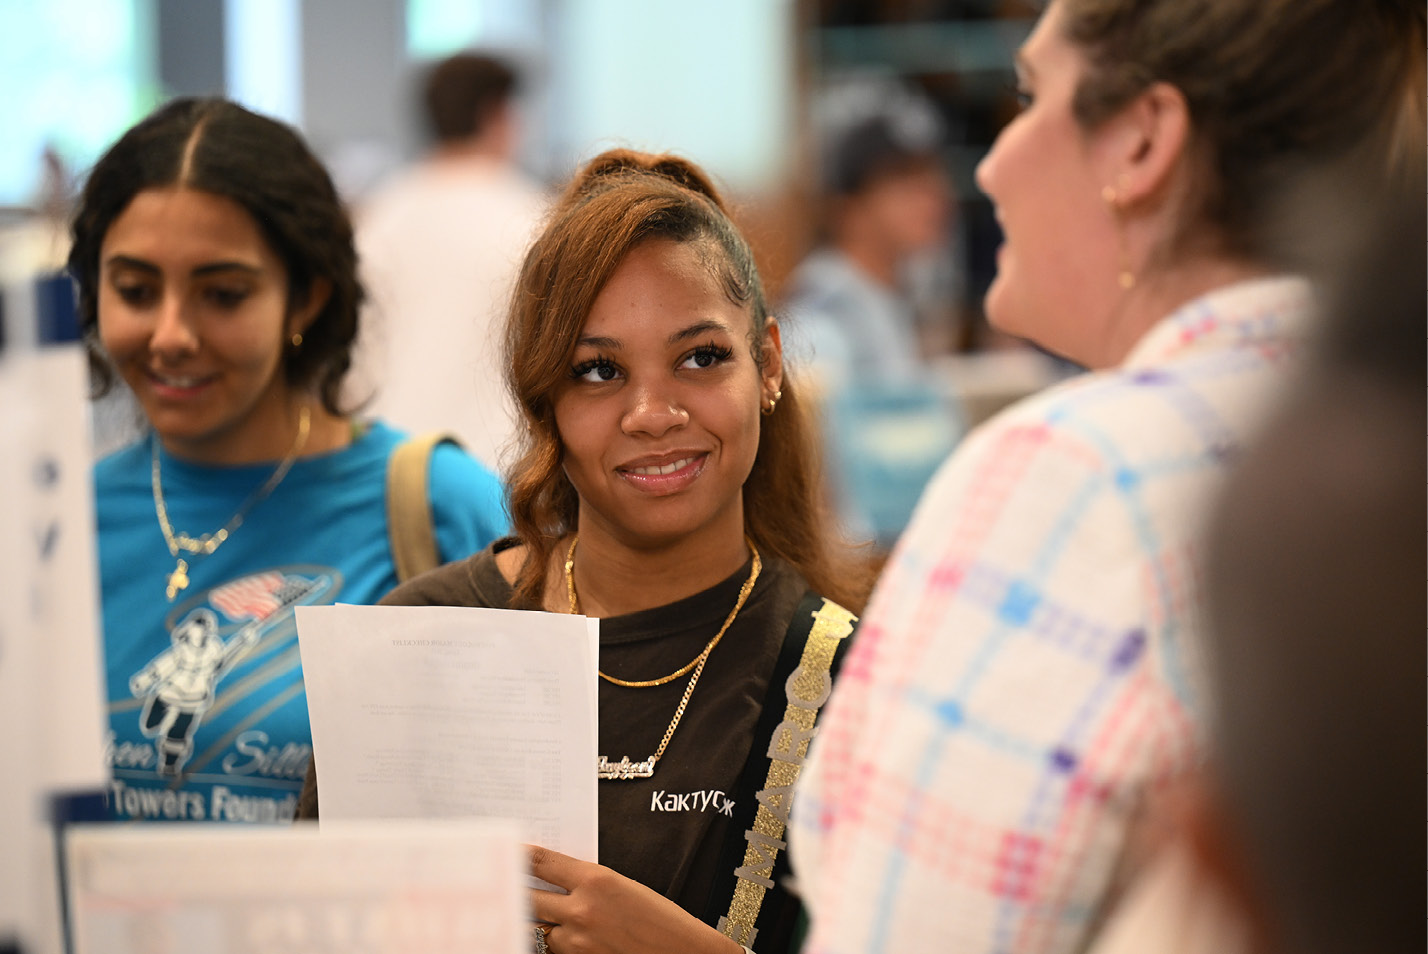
(626, 769)
(202, 546)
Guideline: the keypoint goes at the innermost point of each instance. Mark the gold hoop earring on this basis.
(1125, 277)
(296, 339)
(768, 408)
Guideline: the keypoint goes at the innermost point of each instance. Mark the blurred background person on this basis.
(1292, 838)
(1317, 564)
(858, 305)
(887, 212)
(440, 243)
(217, 278)
(1028, 668)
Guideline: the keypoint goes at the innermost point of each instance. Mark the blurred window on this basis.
(710, 79)
(437, 28)
(78, 72)
(263, 47)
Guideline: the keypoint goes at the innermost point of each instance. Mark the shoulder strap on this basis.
(802, 681)
(409, 519)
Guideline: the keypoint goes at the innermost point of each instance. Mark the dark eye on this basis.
(595, 370)
(225, 297)
(135, 295)
(706, 356)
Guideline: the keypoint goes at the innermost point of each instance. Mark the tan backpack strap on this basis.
(409, 520)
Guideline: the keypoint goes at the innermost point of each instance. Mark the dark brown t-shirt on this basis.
(667, 831)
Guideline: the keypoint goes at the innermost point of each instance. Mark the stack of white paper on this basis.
(448, 887)
(444, 711)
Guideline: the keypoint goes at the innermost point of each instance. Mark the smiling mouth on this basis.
(177, 384)
(173, 382)
(657, 470)
(664, 477)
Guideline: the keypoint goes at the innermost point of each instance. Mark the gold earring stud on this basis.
(768, 409)
(296, 339)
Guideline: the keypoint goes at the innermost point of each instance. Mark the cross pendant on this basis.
(178, 580)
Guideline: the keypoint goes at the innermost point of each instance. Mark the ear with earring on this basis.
(1125, 277)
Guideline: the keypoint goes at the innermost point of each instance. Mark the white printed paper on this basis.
(447, 887)
(446, 711)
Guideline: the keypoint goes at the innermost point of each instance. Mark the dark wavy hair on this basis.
(619, 200)
(216, 146)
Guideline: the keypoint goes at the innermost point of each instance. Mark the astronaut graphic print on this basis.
(213, 726)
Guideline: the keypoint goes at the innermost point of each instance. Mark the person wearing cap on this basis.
(853, 312)
(887, 202)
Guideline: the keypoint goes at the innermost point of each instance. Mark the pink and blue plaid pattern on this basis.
(1026, 670)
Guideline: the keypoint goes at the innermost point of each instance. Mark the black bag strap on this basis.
(753, 860)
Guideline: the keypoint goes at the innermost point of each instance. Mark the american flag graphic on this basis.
(253, 597)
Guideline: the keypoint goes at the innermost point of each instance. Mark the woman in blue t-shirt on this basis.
(217, 279)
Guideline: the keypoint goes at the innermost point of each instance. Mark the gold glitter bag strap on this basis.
(805, 690)
(409, 519)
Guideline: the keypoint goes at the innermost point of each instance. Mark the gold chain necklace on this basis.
(625, 769)
(202, 546)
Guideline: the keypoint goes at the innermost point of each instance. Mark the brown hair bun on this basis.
(616, 164)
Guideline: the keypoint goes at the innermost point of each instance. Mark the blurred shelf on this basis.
(956, 46)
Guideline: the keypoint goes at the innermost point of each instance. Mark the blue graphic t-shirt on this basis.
(207, 715)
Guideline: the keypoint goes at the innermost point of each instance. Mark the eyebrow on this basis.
(138, 264)
(697, 329)
(599, 342)
(684, 334)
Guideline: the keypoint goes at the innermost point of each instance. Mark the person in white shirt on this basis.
(440, 244)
